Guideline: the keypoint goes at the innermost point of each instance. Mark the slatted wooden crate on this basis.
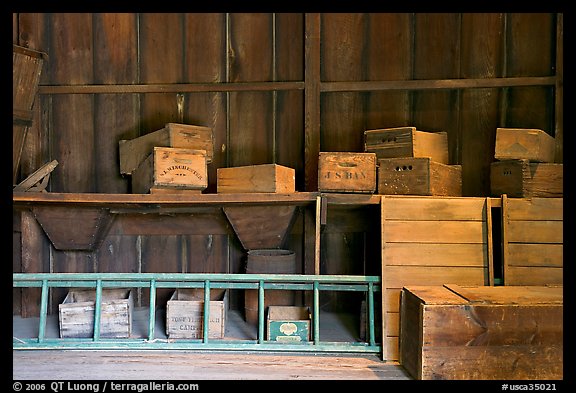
(477, 333)
(407, 142)
(26, 70)
(168, 167)
(186, 136)
(76, 313)
(185, 314)
(431, 241)
(347, 172)
(256, 178)
(533, 242)
(524, 143)
(418, 176)
(525, 179)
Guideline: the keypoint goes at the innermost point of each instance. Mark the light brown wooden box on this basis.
(186, 136)
(418, 176)
(347, 172)
(185, 313)
(407, 142)
(76, 313)
(26, 70)
(256, 178)
(480, 333)
(524, 143)
(169, 167)
(523, 179)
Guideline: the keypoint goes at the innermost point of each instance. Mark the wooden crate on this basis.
(407, 142)
(26, 70)
(429, 240)
(169, 167)
(185, 313)
(533, 241)
(347, 172)
(187, 136)
(524, 143)
(525, 179)
(256, 178)
(418, 176)
(478, 333)
(288, 323)
(76, 313)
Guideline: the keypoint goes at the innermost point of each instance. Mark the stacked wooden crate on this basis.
(347, 172)
(173, 159)
(412, 162)
(525, 164)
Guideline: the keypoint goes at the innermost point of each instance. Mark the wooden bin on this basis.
(524, 143)
(473, 333)
(525, 179)
(407, 142)
(288, 323)
(347, 172)
(76, 313)
(418, 176)
(185, 313)
(169, 167)
(26, 70)
(186, 136)
(256, 178)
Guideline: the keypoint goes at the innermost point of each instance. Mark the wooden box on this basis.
(524, 143)
(524, 179)
(187, 136)
(418, 176)
(347, 172)
(76, 313)
(26, 70)
(169, 167)
(474, 333)
(185, 313)
(288, 323)
(407, 142)
(256, 178)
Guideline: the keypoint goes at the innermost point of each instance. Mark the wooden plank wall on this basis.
(112, 76)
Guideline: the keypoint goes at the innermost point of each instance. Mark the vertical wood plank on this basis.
(251, 132)
(388, 56)
(481, 58)
(160, 254)
(69, 262)
(559, 96)
(161, 61)
(115, 115)
(530, 44)
(72, 130)
(311, 104)
(342, 122)
(436, 56)
(207, 254)
(16, 260)
(205, 62)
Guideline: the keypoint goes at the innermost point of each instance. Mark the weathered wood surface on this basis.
(526, 179)
(347, 172)
(524, 144)
(256, 178)
(407, 142)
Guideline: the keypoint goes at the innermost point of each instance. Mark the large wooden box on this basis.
(169, 167)
(407, 142)
(187, 136)
(524, 179)
(185, 314)
(474, 333)
(288, 323)
(76, 313)
(524, 143)
(256, 178)
(418, 176)
(347, 172)
(26, 70)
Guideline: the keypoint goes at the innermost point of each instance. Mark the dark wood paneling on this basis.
(160, 254)
(206, 254)
(482, 46)
(69, 262)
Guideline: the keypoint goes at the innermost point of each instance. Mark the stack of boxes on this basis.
(525, 164)
(171, 160)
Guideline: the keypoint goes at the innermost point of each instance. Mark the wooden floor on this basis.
(197, 365)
